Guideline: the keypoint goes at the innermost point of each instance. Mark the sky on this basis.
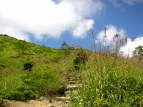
(50, 22)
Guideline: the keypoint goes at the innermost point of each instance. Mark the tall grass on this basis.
(109, 80)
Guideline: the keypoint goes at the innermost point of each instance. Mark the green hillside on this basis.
(28, 71)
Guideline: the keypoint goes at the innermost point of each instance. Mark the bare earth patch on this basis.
(42, 102)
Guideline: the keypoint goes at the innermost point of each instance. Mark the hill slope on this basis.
(28, 71)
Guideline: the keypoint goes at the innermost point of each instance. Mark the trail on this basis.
(42, 102)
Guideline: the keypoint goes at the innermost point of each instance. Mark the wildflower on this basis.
(97, 90)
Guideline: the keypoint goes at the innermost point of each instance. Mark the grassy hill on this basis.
(28, 71)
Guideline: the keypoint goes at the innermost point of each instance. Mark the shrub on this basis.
(20, 86)
(28, 65)
(81, 58)
(12, 87)
(21, 93)
(44, 81)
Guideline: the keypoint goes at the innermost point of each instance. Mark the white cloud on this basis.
(40, 17)
(130, 46)
(82, 28)
(111, 31)
(131, 2)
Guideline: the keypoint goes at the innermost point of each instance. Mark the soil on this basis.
(42, 102)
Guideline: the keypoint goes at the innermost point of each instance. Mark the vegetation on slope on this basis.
(108, 80)
(28, 71)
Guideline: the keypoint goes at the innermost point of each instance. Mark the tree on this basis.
(138, 50)
(65, 45)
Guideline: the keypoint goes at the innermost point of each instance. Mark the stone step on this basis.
(73, 82)
(72, 79)
(64, 106)
(62, 98)
(73, 86)
(71, 92)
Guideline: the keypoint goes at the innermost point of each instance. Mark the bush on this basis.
(28, 65)
(81, 58)
(44, 81)
(14, 88)
(21, 93)
(30, 85)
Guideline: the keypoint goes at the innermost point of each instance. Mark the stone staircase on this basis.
(73, 83)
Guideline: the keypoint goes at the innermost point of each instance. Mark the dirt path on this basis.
(42, 102)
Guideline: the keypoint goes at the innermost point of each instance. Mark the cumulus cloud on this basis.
(131, 2)
(111, 31)
(130, 46)
(47, 17)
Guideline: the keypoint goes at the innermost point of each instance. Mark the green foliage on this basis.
(138, 50)
(110, 90)
(31, 85)
(107, 80)
(42, 49)
(65, 48)
(28, 65)
(106, 84)
(2, 103)
(21, 93)
(12, 87)
(65, 45)
(22, 46)
(15, 83)
(81, 58)
(44, 80)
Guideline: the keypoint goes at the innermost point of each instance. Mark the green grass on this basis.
(108, 80)
(17, 82)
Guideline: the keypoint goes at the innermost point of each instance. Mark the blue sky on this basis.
(51, 22)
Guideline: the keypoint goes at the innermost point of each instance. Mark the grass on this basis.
(18, 81)
(108, 80)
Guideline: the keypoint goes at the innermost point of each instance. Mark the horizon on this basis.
(51, 22)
